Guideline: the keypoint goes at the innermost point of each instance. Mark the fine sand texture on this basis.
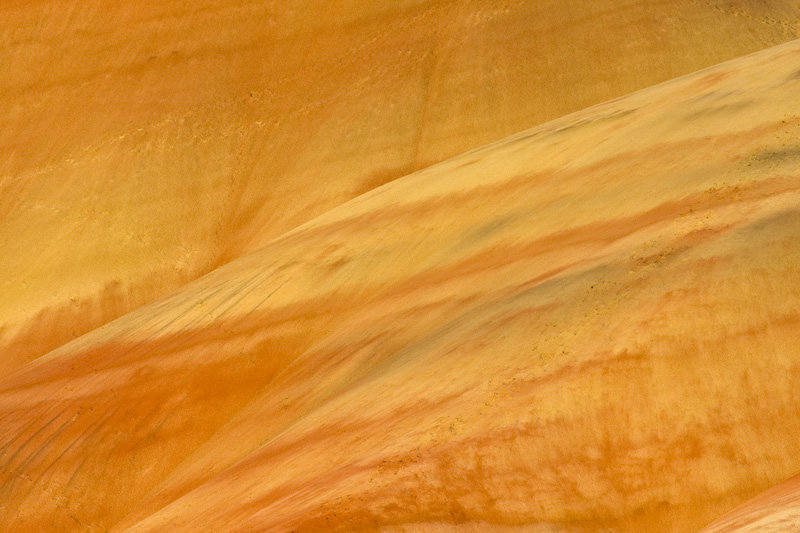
(590, 325)
(143, 144)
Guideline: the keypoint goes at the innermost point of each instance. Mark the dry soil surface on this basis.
(592, 324)
(143, 144)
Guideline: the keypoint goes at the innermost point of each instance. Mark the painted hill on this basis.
(144, 144)
(591, 324)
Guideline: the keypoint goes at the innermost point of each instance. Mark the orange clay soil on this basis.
(777, 509)
(591, 324)
(142, 144)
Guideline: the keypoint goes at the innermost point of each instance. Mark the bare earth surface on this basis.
(144, 144)
(590, 325)
(775, 510)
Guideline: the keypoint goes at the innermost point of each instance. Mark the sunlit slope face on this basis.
(142, 145)
(591, 324)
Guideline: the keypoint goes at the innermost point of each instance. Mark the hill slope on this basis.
(590, 324)
(142, 145)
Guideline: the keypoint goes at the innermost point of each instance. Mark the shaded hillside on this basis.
(590, 324)
(144, 144)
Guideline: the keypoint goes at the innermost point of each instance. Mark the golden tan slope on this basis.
(142, 144)
(591, 324)
(775, 510)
